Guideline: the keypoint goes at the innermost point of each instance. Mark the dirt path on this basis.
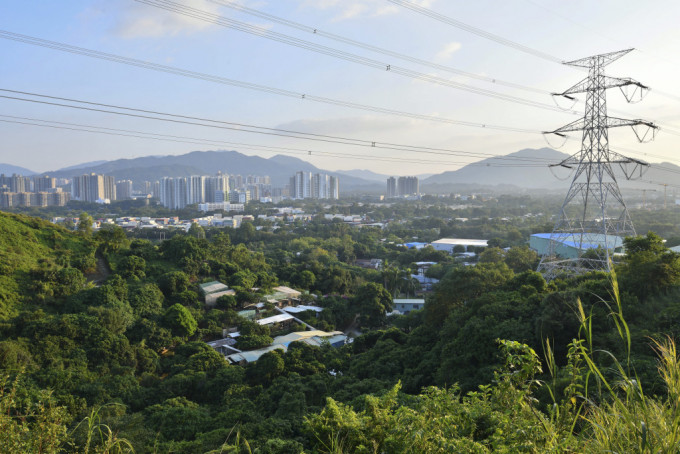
(102, 272)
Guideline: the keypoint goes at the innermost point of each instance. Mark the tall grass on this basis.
(608, 407)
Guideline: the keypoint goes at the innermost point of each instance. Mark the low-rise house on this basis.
(448, 244)
(277, 321)
(313, 338)
(302, 308)
(406, 305)
(213, 290)
(224, 346)
(282, 296)
(374, 264)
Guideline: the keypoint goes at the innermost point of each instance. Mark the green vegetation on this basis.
(103, 343)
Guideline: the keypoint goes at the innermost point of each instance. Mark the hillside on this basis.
(27, 244)
(151, 168)
(131, 353)
(500, 170)
(9, 169)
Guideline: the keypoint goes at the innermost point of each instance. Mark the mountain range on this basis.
(151, 168)
(524, 169)
(9, 169)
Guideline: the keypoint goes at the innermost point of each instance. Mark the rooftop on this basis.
(302, 308)
(275, 319)
(213, 287)
(462, 242)
(583, 241)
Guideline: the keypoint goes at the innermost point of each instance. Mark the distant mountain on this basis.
(151, 168)
(9, 169)
(504, 170)
(82, 165)
(377, 177)
(365, 174)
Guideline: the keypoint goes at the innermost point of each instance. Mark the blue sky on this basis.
(567, 30)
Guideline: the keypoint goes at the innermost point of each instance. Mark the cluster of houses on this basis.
(286, 302)
(282, 215)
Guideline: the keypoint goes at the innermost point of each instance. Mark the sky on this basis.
(562, 30)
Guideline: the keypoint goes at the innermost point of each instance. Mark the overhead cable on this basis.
(476, 31)
(258, 147)
(380, 50)
(325, 50)
(241, 127)
(247, 85)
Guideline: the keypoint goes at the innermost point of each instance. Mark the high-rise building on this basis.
(44, 184)
(15, 183)
(33, 199)
(303, 185)
(391, 187)
(174, 192)
(124, 189)
(196, 189)
(217, 188)
(93, 188)
(334, 191)
(320, 186)
(407, 186)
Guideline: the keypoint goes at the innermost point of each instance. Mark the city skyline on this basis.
(140, 31)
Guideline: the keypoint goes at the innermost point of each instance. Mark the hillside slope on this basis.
(28, 244)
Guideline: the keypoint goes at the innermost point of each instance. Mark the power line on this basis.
(476, 31)
(241, 127)
(504, 41)
(352, 42)
(292, 41)
(247, 85)
(199, 141)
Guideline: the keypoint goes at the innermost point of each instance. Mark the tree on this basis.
(69, 281)
(652, 243)
(196, 231)
(174, 282)
(85, 224)
(133, 267)
(305, 279)
(227, 302)
(243, 279)
(373, 302)
(268, 366)
(180, 321)
(147, 300)
(111, 238)
(521, 258)
(462, 284)
(492, 255)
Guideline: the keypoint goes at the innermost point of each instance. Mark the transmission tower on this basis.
(593, 219)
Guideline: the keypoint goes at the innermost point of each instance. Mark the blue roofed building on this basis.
(572, 245)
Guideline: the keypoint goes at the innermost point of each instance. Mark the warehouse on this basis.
(572, 245)
(448, 244)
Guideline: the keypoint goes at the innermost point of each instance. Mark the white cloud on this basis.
(448, 50)
(140, 20)
(350, 9)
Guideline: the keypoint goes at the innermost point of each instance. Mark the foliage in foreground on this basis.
(594, 410)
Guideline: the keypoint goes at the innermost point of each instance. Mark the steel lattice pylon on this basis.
(593, 219)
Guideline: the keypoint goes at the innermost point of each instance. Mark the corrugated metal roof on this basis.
(302, 308)
(583, 241)
(253, 355)
(275, 319)
(212, 287)
(462, 242)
